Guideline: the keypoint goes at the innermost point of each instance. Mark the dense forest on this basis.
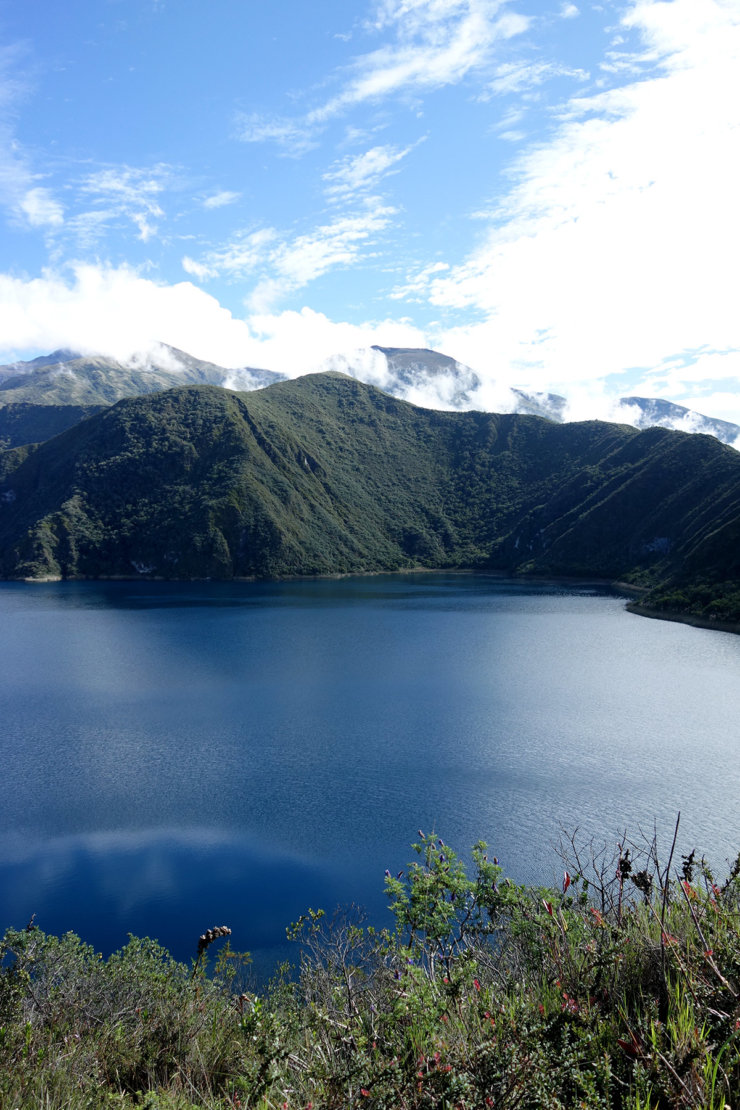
(326, 475)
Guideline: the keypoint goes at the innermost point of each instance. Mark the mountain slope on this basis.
(27, 423)
(418, 375)
(66, 378)
(325, 475)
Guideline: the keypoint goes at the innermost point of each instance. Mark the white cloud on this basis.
(568, 11)
(295, 137)
(337, 244)
(438, 42)
(247, 251)
(418, 286)
(220, 200)
(519, 76)
(29, 204)
(282, 265)
(617, 245)
(41, 209)
(361, 172)
(432, 44)
(115, 311)
(124, 193)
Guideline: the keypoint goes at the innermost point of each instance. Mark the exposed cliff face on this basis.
(325, 475)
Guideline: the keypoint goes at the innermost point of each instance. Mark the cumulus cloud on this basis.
(616, 246)
(115, 311)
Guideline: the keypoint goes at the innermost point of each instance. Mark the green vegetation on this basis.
(325, 475)
(27, 423)
(621, 990)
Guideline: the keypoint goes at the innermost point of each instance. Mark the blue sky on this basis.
(545, 191)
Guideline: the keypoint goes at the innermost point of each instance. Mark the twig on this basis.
(707, 950)
(665, 897)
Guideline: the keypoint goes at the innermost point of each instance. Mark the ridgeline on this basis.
(326, 475)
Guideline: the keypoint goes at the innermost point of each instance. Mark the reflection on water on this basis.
(180, 755)
(167, 883)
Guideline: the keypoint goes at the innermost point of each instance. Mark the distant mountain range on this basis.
(325, 475)
(80, 384)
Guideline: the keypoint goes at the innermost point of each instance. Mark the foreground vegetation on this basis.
(619, 990)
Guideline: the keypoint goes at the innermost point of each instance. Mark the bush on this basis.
(620, 990)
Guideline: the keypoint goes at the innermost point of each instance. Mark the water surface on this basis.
(182, 755)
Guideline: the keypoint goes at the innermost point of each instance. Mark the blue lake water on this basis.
(177, 756)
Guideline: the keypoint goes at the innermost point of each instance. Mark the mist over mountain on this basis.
(325, 475)
(423, 377)
(67, 377)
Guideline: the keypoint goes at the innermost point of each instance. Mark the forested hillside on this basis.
(326, 475)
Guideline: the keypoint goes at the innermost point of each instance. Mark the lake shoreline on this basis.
(683, 618)
(634, 606)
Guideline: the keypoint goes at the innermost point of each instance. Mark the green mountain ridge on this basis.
(325, 475)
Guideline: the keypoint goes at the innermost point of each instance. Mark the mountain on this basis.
(56, 357)
(418, 375)
(68, 378)
(651, 412)
(325, 475)
(438, 381)
(23, 422)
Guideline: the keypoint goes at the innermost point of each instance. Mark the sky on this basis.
(546, 191)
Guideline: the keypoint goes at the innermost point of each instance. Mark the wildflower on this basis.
(476, 984)
(566, 881)
(547, 905)
(364, 1092)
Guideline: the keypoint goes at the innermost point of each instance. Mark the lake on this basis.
(178, 756)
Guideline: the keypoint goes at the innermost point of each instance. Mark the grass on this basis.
(620, 990)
